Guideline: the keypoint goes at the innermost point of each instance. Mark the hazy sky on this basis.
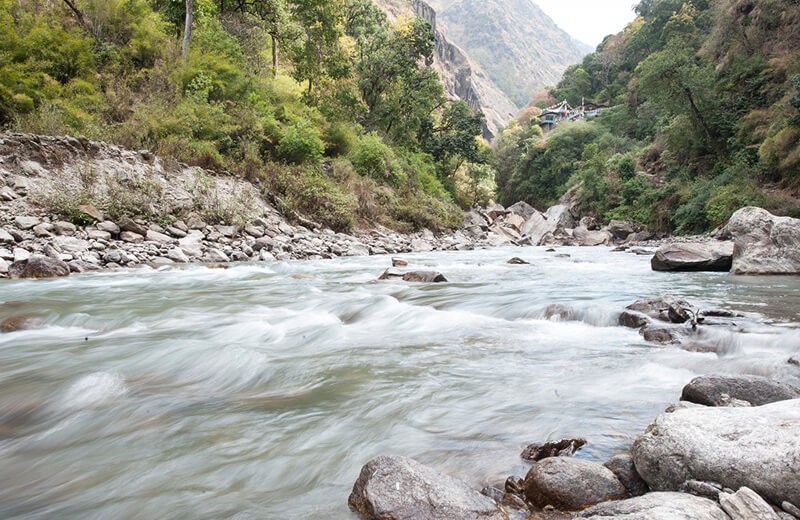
(589, 20)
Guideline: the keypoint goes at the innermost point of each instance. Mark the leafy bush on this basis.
(301, 143)
(372, 157)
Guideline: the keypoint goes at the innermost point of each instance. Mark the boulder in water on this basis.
(719, 390)
(754, 447)
(399, 488)
(561, 448)
(625, 470)
(713, 255)
(571, 484)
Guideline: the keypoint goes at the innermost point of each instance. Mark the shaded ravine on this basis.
(260, 390)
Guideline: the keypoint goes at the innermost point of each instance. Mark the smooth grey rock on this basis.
(718, 390)
(131, 237)
(713, 255)
(177, 255)
(176, 232)
(399, 488)
(536, 227)
(584, 237)
(571, 484)
(625, 470)
(70, 244)
(21, 254)
(791, 509)
(3, 266)
(710, 490)
(64, 228)
(161, 238)
(6, 237)
(746, 504)
(108, 227)
(214, 255)
(8, 194)
(26, 222)
(755, 447)
(38, 267)
(763, 243)
(560, 216)
(192, 244)
(98, 234)
(43, 230)
(657, 506)
(228, 231)
(160, 261)
(420, 245)
(357, 249)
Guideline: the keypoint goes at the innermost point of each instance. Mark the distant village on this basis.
(565, 112)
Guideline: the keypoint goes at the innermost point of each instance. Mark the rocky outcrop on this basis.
(657, 506)
(712, 255)
(754, 447)
(661, 320)
(570, 484)
(561, 448)
(724, 390)
(399, 488)
(763, 243)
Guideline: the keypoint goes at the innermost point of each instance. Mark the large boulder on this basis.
(585, 237)
(571, 484)
(720, 390)
(621, 229)
(763, 243)
(536, 227)
(399, 488)
(522, 208)
(713, 255)
(755, 447)
(657, 506)
(38, 267)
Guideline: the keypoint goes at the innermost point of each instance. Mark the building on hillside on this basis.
(564, 112)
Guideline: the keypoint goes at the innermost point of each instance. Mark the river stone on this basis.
(108, 227)
(755, 447)
(718, 390)
(192, 244)
(38, 267)
(6, 237)
(64, 228)
(155, 236)
(745, 504)
(128, 224)
(571, 484)
(399, 488)
(20, 322)
(584, 237)
(625, 470)
(25, 222)
(764, 243)
(536, 227)
(131, 237)
(176, 254)
(713, 255)
(43, 230)
(3, 266)
(657, 506)
(517, 261)
(424, 277)
(215, 256)
(561, 448)
(21, 254)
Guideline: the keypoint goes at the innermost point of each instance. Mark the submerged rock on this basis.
(657, 506)
(754, 447)
(564, 447)
(719, 390)
(689, 256)
(571, 484)
(20, 322)
(400, 488)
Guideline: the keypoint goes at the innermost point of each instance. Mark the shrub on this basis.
(730, 198)
(301, 143)
(372, 157)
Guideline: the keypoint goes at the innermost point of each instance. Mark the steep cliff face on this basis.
(462, 78)
(517, 45)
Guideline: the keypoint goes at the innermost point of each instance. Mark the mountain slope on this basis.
(514, 41)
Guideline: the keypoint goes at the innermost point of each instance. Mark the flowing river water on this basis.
(259, 391)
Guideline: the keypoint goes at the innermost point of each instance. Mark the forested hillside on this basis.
(328, 107)
(704, 118)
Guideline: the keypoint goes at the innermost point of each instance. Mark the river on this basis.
(260, 390)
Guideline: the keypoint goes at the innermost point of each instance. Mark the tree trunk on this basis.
(699, 116)
(187, 30)
(274, 56)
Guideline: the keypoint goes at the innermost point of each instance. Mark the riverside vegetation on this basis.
(703, 118)
(324, 105)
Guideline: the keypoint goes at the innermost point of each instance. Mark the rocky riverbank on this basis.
(726, 451)
(71, 200)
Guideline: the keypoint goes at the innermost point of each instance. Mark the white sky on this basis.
(590, 20)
